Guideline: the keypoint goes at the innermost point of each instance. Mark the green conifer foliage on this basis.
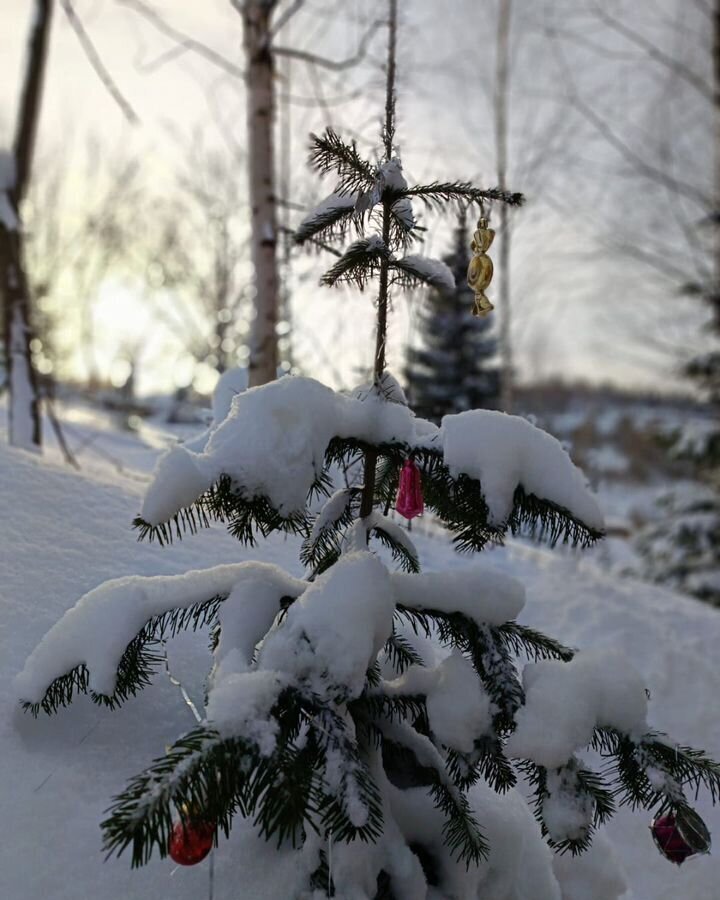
(455, 367)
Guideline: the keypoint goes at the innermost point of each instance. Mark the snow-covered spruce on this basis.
(681, 549)
(324, 715)
(373, 722)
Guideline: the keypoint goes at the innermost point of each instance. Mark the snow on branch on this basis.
(358, 264)
(334, 631)
(486, 471)
(272, 444)
(457, 705)
(422, 269)
(395, 538)
(478, 591)
(327, 214)
(566, 702)
(94, 643)
(503, 452)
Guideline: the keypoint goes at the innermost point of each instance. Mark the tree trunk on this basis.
(24, 414)
(367, 501)
(715, 295)
(502, 88)
(256, 16)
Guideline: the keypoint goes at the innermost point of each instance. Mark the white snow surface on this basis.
(565, 702)
(505, 451)
(597, 874)
(65, 532)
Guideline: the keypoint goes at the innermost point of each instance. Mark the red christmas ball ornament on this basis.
(191, 842)
(678, 836)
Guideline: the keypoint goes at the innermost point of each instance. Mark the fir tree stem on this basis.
(368, 496)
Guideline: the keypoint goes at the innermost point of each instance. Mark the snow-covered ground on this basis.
(65, 532)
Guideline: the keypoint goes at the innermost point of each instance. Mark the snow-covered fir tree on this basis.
(368, 717)
(455, 367)
(681, 548)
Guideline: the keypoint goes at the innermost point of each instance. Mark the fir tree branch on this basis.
(321, 547)
(534, 644)
(286, 791)
(358, 264)
(330, 224)
(137, 665)
(586, 785)
(628, 762)
(410, 274)
(199, 771)
(402, 553)
(461, 831)
(486, 761)
(401, 653)
(440, 192)
(329, 153)
(544, 520)
(226, 502)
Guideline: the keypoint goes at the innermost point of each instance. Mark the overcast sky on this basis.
(566, 293)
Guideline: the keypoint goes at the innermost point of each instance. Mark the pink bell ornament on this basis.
(409, 501)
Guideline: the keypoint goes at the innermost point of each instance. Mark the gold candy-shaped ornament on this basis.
(480, 270)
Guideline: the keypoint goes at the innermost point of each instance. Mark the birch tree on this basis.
(259, 80)
(24, 429)
(263, 22)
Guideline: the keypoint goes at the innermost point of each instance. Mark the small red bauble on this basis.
(681, 836)
(190, 843)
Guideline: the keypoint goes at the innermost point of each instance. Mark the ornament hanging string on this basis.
(178, 684)
(198, 718)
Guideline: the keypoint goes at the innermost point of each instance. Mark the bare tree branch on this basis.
(186, 42)
(294, 7)
(644, 168)
(96, 62)
(335, 65)
(676, 66)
